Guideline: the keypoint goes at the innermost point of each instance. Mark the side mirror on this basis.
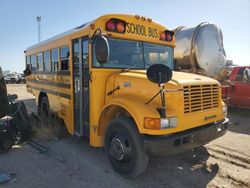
(101, 49)
(159, 73)
(27, 71)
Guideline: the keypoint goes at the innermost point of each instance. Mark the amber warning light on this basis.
(167, 35)
(116, 25)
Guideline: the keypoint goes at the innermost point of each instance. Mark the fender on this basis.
(131, 106)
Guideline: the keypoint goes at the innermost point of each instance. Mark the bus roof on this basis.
(71, 31)
(86, 25)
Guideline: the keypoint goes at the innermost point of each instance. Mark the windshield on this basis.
(136, 55)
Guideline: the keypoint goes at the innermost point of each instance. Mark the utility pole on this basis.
(38, 19)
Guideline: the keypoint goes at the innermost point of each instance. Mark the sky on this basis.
(18, 26)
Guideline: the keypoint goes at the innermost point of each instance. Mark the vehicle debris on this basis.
(4, 178)
(46, 151)
(14, 119)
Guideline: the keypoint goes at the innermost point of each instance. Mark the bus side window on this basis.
(47, 62)
(54, 59)
(27, 60)
(85, 53)
(40, 61)
(64, 57)
(33, 63)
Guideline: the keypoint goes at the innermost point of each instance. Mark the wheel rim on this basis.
(117, 149)
(120, 149)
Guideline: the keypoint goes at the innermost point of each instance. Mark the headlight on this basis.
(160, 123)
(170, 122)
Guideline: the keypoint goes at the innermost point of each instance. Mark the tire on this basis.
(58, 127)
(124, 147)
(44, 112)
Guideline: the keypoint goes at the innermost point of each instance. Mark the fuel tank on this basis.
(200, 49)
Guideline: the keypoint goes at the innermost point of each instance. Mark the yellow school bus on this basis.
(111, 79)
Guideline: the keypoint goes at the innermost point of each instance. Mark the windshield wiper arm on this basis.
(129, 68)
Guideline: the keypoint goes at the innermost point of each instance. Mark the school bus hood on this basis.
(134, 86)
(179, 78)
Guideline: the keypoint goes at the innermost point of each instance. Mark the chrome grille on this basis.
(200, 97)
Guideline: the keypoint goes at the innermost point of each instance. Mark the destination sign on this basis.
(142, 30)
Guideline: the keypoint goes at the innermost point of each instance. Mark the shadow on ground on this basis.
(30, 105)
(239, 125)
(189, 169)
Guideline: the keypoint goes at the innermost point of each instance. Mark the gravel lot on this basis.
(224, 162)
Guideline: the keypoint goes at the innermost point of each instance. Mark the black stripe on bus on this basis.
(45, 82)
(51, 92)
(55, 73)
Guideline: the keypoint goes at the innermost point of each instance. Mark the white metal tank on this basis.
(200, 49)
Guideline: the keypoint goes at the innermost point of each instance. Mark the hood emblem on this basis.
(209, 117)
(127, 84)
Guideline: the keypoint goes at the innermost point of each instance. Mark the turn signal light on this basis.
(152, 123)
(167, 35)
(116, 25)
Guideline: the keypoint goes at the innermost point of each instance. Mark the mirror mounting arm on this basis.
(160, 74)
(162, 110)
(92, 39)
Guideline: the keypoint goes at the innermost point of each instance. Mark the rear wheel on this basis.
(44, 112)
(124, 147)
(50, 120)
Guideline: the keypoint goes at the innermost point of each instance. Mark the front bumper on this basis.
(167, 145)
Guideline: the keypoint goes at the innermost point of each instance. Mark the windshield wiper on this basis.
(129, 68)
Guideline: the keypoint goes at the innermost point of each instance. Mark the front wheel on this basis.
(124, 147)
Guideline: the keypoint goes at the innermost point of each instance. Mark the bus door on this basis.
(81, 86)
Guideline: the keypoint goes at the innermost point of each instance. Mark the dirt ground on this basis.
(224, 162)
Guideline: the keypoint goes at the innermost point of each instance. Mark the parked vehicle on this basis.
(11, 78)
(238, 91)
(6, 79)
(20, 78)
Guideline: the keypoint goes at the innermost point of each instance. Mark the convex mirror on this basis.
(101, 49)
(159, 73)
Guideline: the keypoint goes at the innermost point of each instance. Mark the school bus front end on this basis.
(138, 118)
(195, 115)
